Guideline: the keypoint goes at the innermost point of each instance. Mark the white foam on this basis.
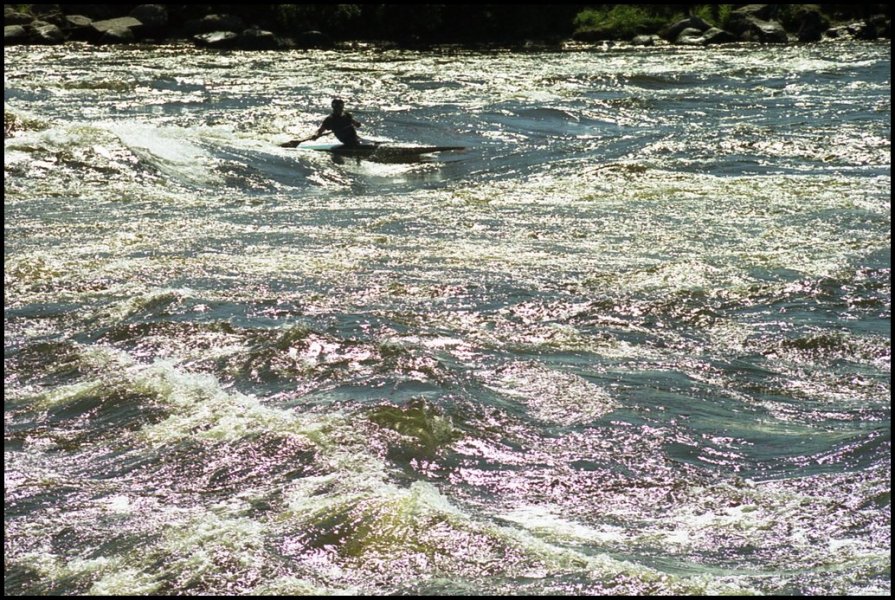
(170, 150)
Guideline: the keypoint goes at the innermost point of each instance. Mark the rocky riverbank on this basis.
(161, 23)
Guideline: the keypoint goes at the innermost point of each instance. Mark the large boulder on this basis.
(808, 22)
(117, 35)
(718, 36)
(116, 31)
(753, 23)
(259, 39)
(646, 40)
(673, 32)
(690, 37)
(859, 30)
(212, 23)
(46, 33)
(13, 17)
(762, 12)
(767, 32)
(78, 28)
(14, 34)
(221, 40)
(764, 32)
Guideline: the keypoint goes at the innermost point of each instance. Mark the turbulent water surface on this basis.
(634, 339)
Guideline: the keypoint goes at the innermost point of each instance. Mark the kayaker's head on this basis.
(338, 106)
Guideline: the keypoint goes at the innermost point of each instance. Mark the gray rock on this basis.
(718, 36)
(835, 33)
(762, 12)
(259, 39)
(119, 23)
(78, 28)
(122, 30)
(46, 33)
(78, 21)
(213, 23)
(14, 34)
(690, 37)
(811, 23)
(223, 40)
(741, 21)
(117, 35)
(862, 30)
(764, 32)
(673, 32)
(645, 40)
(13, 17)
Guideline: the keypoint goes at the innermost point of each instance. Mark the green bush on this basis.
(714, 14)
(621, 21)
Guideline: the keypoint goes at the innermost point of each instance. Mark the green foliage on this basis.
(715, 14)
(620, 21)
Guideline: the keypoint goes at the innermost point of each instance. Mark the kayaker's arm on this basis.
(320, 131)
(294, 143)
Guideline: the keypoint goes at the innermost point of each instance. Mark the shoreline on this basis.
(564, 46)
(159, 25)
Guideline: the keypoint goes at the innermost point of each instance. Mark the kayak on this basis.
(379, 150)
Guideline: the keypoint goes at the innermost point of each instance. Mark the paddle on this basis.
(294, 143)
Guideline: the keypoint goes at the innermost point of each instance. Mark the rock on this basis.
(117, 35)
(222, 40)
(46, 33)
(113, 30)
(78, 28)
(645, 40)
(313, 39)
(764, 32)
(13, 17)
(740, 16)
(673, 32)
(853, 31)
(690, 37)
(259, 39)
(862, 30)
(809, 23)
(213, 23)
(44, 10)
(14, 34)
(78, 21)
(740, 21)
(718, 36)
(835, 33)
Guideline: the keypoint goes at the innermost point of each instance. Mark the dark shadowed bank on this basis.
(286, 26)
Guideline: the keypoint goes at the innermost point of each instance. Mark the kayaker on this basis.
(341, 123)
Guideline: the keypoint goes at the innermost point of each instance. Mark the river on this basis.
(634, 339)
